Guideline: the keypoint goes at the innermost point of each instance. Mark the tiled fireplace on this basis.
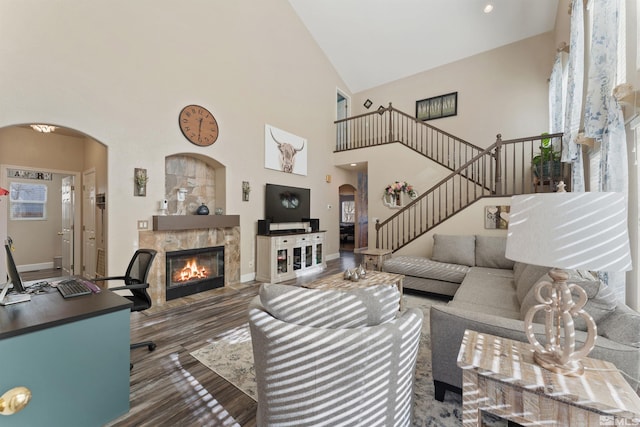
(192, 233)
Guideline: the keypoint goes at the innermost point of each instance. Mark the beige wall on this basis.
(121, 71)
(502, 91)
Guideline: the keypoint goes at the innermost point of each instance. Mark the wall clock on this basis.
(198, 125)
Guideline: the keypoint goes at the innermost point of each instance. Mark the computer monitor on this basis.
(12, 270)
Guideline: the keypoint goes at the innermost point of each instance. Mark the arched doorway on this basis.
(30, 157)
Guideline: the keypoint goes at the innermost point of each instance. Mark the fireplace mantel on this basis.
(192, 222)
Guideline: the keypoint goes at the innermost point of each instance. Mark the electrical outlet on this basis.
(329, 206)
(143, 224)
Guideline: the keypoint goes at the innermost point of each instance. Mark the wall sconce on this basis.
(140, 178)
(182, 193)
(246, 189)
(327, 179)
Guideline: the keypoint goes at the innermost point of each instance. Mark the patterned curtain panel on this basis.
(572, 152)
(603, 116)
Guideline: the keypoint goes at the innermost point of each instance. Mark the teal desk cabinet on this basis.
(72, 354)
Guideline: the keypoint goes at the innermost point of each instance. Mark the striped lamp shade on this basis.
(570, 230)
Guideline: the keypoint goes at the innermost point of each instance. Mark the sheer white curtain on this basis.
(556, 104)
(571, 151)
(603, 118)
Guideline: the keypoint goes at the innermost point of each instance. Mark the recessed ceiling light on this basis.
(354, 164)
(488, 8)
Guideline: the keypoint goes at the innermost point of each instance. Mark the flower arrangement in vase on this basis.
(141, 178)
(397, 188)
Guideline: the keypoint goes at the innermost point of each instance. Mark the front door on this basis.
(67, 225)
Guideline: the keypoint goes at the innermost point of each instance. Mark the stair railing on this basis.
(503, 169)
(388, 125)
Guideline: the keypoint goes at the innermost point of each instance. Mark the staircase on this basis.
(505, 168)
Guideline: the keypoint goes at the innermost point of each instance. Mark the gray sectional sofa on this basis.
(495, 294)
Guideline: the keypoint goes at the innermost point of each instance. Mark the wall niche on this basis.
(192, 180)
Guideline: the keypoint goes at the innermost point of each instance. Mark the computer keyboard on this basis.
(72, 288)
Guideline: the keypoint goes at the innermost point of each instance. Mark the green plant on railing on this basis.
(547, 163)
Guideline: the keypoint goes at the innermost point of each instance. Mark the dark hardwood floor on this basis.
(171, 388)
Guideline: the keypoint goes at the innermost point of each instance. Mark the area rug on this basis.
(230, 355)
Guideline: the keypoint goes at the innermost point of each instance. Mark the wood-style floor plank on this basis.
(171, 388)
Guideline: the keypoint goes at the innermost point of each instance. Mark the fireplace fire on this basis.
(194, 270)
(191, 271)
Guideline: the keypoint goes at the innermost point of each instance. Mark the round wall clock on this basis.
(198, 125)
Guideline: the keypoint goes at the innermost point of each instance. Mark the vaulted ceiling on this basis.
(372, 42)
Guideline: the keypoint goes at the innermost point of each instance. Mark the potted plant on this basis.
(547, 163)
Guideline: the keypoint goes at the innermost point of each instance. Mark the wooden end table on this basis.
(372, 259)
(500, 378)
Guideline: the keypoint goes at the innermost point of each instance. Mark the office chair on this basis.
(135, 280)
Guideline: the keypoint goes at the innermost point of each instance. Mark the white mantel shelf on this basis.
(191, 222)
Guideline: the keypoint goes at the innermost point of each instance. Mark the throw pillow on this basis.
(601, 301)
(623, 326)
(518, 268)
(454, 249)
(529, 276)
(490, 252)
(331, 308)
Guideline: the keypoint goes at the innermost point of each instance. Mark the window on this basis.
(27, 201)
(348, 211)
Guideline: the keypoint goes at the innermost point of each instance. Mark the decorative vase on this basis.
(347, 275)
(397, 198)
(361, 271)
(355, 276)
(202, 210)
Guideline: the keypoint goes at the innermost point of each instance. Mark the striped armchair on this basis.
(333, 357)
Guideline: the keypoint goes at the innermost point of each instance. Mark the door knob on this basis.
(14, 400)
(92, 238)
(60, 233)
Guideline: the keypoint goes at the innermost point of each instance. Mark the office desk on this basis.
(73, 354)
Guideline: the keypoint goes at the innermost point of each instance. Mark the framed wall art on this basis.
(496, 217)
(437, 107)
(284, 151)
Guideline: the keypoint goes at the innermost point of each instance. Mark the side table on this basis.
(500, 378)
(374, 258)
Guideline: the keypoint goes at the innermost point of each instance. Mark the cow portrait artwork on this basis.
(287, 154)
(284, 151)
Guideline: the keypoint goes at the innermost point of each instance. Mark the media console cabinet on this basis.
(285, 256)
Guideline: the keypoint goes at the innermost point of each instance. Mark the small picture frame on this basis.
(437, 107)
(496, 217)
(367, 104)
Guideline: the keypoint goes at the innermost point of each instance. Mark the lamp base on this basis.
(572, 368)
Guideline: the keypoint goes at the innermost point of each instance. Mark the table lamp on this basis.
(566, 231)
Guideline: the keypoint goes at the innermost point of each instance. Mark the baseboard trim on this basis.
(35, 267)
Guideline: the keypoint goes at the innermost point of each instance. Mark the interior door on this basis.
(66, 233)
(89, 224)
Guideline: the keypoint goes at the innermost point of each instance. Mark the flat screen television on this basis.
(286, 204)
(12, 270)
